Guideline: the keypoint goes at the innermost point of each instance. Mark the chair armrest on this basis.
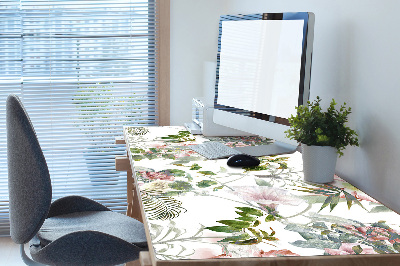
(72, 204)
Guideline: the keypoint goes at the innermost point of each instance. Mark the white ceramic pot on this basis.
(319, 163)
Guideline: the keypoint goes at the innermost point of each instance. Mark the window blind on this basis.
(83, 69)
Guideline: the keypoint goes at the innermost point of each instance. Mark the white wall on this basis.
(356, 60)
(194, 41)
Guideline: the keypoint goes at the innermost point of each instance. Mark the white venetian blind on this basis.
(83, 69)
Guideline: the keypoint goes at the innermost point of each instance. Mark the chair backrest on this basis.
(29, 183)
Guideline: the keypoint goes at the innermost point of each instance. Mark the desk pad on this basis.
(201, 209)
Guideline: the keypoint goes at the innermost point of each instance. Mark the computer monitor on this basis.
(263, 73)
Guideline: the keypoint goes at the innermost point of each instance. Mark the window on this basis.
(83, 69)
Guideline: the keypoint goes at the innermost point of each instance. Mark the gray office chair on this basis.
(70, 231)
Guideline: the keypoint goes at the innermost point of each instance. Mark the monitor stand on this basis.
(275, 148)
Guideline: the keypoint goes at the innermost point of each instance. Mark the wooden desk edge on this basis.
(342, 260)
(150, 256)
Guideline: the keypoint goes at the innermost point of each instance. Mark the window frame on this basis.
(163, 36)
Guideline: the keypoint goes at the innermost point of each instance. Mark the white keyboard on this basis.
(214, 150)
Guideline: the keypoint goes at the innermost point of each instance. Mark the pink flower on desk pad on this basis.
(276, 253)
(375, 233)
(187, 151)
(338, 182)
(233, 251)
(158, 146)
(378, 233)
(236, 144)
(266, 195)
(349, 249)
(336, 178)
(362, 196)
(157, 175)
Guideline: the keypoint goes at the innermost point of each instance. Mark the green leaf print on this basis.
(357, 249)
(138, 157)
(270, 218)
(161, 207)
(381, 208)
(262, 183)
(195, 166)
(333, 195)
(236, 239)
(248, 210)
(178, 173)
(168, 156)
(260, 167)
(206, 173)
(247, 218)
(247, 224)
(182, 136)
(218, 188)
(235, 224)
(331, 200)
(224, 229)
(138, 131)
(137, 150)
(206, 183)
(181, 185)
(350, 199)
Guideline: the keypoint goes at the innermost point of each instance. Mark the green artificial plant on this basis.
(312, 126)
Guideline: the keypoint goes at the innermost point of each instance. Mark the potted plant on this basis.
(323, 135)
(97, 107)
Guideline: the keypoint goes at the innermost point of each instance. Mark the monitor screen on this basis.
(263, 71)
(255, 65)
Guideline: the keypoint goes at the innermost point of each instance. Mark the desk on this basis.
(202, 212)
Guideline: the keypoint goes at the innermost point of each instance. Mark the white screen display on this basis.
(260, 63)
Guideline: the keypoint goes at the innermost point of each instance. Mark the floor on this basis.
(10, 256)
(9, 253)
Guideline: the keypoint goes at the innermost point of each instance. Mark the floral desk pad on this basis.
(200, 209)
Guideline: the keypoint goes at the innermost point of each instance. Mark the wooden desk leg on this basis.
(129, 193)
(133, 263)
(122, 164)
(144, 260)
(134, 212)
(133, 200)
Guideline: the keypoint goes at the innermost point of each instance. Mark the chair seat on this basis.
(108, 222)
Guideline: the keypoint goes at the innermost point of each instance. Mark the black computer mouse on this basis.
(240, 160)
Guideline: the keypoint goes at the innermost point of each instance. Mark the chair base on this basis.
(26, 259)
